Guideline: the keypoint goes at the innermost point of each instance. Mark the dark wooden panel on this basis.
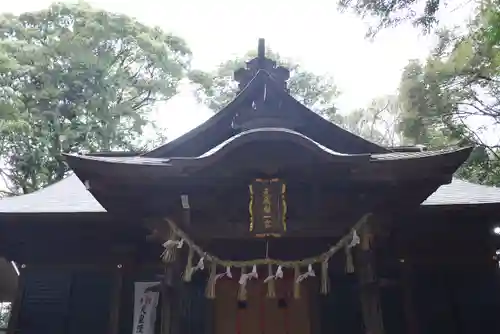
(90, 302)
(192, 308)
(340, 309)
(391, 300)
(432, 303)
(45, 304)
(475, 299)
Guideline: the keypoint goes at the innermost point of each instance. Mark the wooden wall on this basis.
(436, 275)
(73, 300)
(63, 301)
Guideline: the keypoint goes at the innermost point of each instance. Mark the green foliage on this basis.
(453, 98)
(218, 88)
(378, 122)
(488, 23)
(73, 78)
(5, 309)
(421, 13)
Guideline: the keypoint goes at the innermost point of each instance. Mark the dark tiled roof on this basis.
(461, 192)
(219, 127)
(70, 195)
(263, 133)
(413, 155)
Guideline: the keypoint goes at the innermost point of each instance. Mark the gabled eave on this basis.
(218, 128)
(69, 196)
(188, 144)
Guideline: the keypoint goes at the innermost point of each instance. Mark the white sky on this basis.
(311, 32)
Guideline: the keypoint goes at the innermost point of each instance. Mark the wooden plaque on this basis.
(267, 208)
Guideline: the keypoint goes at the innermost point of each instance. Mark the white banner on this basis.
(145, 303)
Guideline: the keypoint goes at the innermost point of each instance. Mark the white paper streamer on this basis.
(278, 275)
(308, 273)
(355, 239)
(173, 243)
(227, 273)
(199, 266)
(245, 277)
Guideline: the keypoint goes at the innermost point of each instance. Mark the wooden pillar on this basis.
(166, 298)
(314, 307)
(369, 288)
(210, 316)
(170, 297)
(116, 293)
(408, 303)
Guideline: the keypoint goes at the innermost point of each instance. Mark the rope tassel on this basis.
(324, 278)
(309, 273)
(199, 266)
(210, 291)
(356, 240)
(242, 291)
(188, 272)
(227, 273)
(349, 262)
(271, 284)
(171, 246)
(244, 278)
(296, 282)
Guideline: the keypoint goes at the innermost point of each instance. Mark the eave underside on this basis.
(273, 148)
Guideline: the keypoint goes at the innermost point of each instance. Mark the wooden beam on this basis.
(114, 317)
(166, 309)
(408, 303)
(171, 287)
(369, 287)
(207, 230)
(314, 307)
(241, 230)
(210, 316)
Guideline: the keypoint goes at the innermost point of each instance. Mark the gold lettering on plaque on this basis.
(267, 207)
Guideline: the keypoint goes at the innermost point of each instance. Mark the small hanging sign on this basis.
(267, 207)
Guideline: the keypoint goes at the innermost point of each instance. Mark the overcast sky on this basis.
(311, 32)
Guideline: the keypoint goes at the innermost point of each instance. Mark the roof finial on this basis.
(261, 54)
(245, 74)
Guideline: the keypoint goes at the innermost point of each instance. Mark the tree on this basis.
(72, 79)
(378, 122)
(453, 98)
(421, 13)
(217, 88)
(5, 309)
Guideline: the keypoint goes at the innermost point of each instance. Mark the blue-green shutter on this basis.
(45, 302)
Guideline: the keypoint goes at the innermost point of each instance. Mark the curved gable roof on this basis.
(70, 196)
(219, 128)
